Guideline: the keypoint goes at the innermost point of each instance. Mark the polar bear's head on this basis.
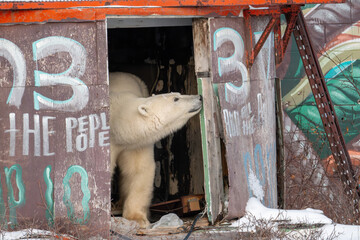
(140, 121)
(167, 113)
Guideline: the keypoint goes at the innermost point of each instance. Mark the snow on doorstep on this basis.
(256, 211)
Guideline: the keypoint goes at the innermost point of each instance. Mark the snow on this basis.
(307, 222)
(255, 186)
(25, 234)
(257, 214)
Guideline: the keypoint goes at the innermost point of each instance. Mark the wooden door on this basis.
(54, 164)
(247, 109)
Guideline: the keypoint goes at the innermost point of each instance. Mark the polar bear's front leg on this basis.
(137, 176)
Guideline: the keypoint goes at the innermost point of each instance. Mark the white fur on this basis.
(137, 121)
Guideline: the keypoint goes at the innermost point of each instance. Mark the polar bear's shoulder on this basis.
(121, 82)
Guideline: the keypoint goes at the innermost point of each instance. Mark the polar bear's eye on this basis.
(176, 99)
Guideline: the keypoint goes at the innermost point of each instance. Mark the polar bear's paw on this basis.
(117, 208)
(139, 217)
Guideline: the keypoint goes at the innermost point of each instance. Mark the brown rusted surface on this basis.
(247, 109)
(54, 125)
(150, 3)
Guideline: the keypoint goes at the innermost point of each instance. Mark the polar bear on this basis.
(137, 121)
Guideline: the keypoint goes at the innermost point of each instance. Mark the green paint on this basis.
(3, 219)
(49, 196)
(343, 84)
(85, 190)
(344, 97)
(205, 155)
(216, 89)
(13, 204)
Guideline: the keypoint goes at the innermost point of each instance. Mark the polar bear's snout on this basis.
(197, 104)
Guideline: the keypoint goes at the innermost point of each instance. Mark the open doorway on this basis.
(160, 52)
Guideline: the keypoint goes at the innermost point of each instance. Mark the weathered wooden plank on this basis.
(213, 178)
(201, 47)
(54, 123)
(247, 110)
(211, 151)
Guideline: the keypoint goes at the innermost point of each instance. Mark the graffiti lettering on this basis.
(232, 64)
(239, 124)
(26, 131)
(48, 46)
(232, 123)
(93, 131)
(13, 54)
(41, 49)
(13, 204)
(86, 137)
(256, 183)
(85, 190)
(49, 195)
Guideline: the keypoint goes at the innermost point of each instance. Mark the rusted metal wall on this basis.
(54, 134)
(247, 109)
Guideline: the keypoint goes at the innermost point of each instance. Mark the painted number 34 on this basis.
(41, 49)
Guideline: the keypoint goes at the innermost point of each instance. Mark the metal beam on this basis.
(327, 114)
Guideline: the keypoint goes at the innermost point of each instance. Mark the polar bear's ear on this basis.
(143, 110)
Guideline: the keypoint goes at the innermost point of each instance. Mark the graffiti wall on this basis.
(54, 134)
(247, 111)
(335, 34)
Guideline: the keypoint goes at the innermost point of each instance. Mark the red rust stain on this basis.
(330, 165)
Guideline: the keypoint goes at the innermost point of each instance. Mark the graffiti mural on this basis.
(247, 111)
(334, 30)
(55, 133)
(335, 34)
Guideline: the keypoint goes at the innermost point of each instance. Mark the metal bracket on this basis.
(281, 43)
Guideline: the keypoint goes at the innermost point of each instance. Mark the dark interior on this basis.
(163, 58)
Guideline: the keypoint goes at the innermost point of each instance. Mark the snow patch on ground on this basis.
(25, 234)
(256, 211)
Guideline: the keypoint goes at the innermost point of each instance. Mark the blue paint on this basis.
(257, 157)
(48, 46)
(258, 160)
(49, 196)
(13, 204)
(215, 45)
(337, 69)
(85, 190)
(247, 162)
(226, 89)
(37, 95)
(3, 219)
